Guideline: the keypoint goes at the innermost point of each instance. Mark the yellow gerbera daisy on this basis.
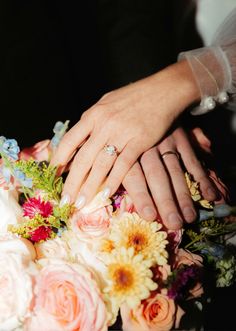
(129, 277)
(145, 237)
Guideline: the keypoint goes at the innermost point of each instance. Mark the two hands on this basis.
(132, 120)
(157, 184)
(165, 177)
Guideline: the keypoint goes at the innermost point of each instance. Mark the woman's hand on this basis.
(119, 128)
(165, 178)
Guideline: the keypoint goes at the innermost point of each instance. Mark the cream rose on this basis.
(10, 210)
(86, 253)
(67, 298)
(11, 243)
(16, 282)
(53, 248)
(157, 313)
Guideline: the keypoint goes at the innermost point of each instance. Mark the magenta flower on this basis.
(34, 206)
(41, 233)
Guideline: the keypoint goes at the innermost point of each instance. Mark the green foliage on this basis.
(44, 177)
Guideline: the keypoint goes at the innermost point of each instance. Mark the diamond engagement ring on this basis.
(110, 150)
(165, 154)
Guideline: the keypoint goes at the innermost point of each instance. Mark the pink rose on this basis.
(125, 205)
(40, 151)
(67, 299)
(92, 221)
(187, 258)
(157, 313)
(161, 272)
(90, 226)
(174, 239)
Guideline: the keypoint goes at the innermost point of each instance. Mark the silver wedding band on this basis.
(165, 154)
(110, 150)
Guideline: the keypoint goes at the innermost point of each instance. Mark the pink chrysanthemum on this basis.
(41, 233)
(35, 206)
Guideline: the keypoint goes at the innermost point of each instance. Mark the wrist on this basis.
(179, 87)
(184, 84)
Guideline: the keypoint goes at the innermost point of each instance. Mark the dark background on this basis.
(58, 58)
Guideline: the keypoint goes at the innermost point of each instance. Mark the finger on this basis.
(100, 168)
(160, 187)
(70, 142)
(80, 168)
(123, 163)
(180, 187)
(194, 166)
(201, 139)
(135, 184)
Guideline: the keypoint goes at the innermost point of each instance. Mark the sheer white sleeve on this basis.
(214, 68)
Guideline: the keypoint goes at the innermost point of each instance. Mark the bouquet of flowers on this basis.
(64, 269)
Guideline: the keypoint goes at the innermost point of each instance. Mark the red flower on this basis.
(36, 206)
(41, 233)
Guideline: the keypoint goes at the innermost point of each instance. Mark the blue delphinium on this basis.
(9, 148)
(21, 177)
(219, 211)
(59, 130)
(6, 173)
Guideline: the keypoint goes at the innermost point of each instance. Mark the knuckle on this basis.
(142, 198)
(169, 203)
(194, 163)
(153, 173)
(147, 157)
(125, 161)
(132, 176)
(80, 159)
(184, 198)
(102, 162)
(175, 170)
(67, 140)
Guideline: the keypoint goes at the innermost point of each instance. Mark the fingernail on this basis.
(80, 202)
(189, 214)
(64, 200)
(149, 213)
(174, 221)
(106, 193)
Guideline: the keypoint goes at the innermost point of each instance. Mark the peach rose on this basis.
(157, 313)
(92, 221)
(40, 151)
(67, 299)
(187, 258)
